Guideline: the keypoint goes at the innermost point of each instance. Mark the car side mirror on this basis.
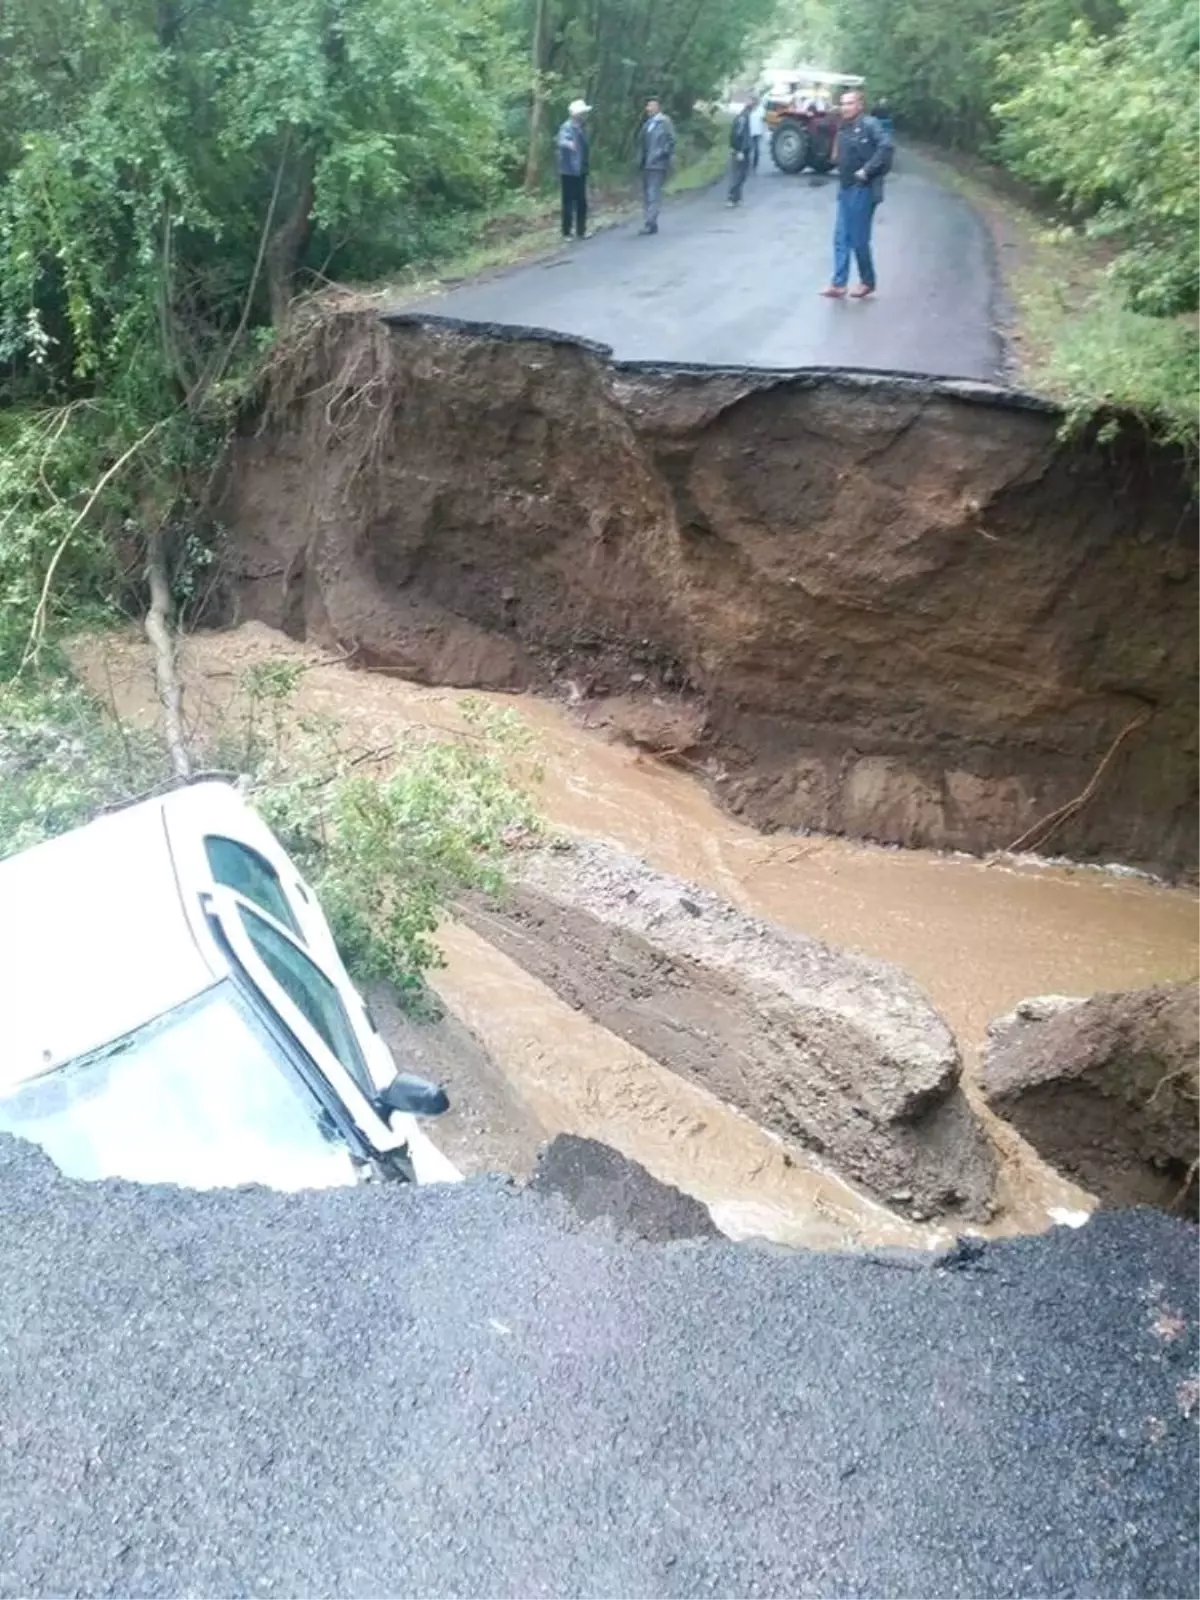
(417, 1097)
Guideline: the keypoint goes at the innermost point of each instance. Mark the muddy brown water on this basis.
(979, 936)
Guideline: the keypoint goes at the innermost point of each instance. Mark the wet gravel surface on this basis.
(468, 1392)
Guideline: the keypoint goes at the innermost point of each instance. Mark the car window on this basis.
(199, 1097)
(246, 872)
(314, 995)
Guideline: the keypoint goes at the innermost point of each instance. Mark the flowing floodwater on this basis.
(978, 936)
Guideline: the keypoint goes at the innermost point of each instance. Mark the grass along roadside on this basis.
(1069, 333)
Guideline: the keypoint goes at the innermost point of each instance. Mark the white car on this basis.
(175, 1011)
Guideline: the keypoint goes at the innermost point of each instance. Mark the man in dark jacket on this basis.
(656, 149)
(571, 155)
(863, 155)
(741, 147)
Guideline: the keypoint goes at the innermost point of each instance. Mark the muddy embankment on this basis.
(884, 607)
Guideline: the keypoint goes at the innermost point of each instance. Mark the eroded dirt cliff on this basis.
(879, 606)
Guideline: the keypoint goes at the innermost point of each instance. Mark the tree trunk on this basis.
(167, 22)
(287, 244)
(163, 645)
(538, 104)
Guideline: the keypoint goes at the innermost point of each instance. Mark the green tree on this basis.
(166, 163)
(1110, 122)
(171, 171)
(617, 52)
(939, 61)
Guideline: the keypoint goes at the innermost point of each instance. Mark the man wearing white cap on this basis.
(571, 152)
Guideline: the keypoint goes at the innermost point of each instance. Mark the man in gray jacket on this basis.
(571, 157)
(656, 148)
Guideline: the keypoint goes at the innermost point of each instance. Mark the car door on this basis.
(218, 841)
(312, 1008)
(302, 995)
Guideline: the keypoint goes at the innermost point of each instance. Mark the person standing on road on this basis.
(571, 155)
(882, 112)
(740, 147)
(758, 130)
(863, 155)
(656, 150)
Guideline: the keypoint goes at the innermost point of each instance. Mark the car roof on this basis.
(95, 939)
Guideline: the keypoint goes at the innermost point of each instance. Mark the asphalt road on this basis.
(742, 287)
(465, 1392)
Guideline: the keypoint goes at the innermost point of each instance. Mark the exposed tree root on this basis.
(1184, 1187)
(1041, 831)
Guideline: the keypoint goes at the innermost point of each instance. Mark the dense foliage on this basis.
(614, 53)
(171, 172)
(938, 61)
(1111, 120)
(164, 162)
(388, 853)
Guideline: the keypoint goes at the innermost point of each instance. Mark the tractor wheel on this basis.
(789, 147)
(822, 159)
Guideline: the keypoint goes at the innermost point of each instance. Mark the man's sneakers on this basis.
(834, 292)
(647, 228)
(862, 292)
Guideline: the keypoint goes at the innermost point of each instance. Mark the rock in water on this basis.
(841, 1054)
(597, 1181)
(1105, 1089)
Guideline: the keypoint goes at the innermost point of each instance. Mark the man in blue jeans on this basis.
(864, 154)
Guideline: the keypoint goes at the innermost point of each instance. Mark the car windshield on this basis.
(199, 1097)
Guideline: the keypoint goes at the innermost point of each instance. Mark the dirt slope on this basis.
(885, 607)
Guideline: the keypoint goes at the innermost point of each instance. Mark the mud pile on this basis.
(1106, 1090)
(883, 607)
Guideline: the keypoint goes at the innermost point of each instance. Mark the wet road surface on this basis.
(465, 1392)
(742, 287)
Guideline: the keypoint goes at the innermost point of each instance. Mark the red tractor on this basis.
(802, 118)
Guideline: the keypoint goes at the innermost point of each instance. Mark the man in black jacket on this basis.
(863, 155)
(741, 146)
